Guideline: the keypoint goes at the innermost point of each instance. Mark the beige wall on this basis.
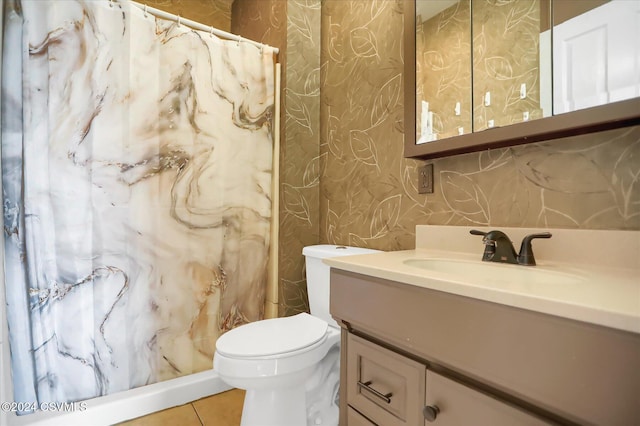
(216, 13)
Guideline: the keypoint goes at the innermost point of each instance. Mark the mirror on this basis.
(443, 69)
(596, 53)
(511, 53)
(511, 62)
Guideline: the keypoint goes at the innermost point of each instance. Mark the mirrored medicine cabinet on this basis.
(483, 74)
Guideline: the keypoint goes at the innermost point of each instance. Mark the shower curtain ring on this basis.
(110, 3)
(239, 40)
(145, 10)
(179, 18)
(211, 31)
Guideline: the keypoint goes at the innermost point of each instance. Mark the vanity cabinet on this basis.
(406, 348)
(394, 390)
(462, 405)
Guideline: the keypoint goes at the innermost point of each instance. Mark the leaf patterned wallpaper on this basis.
(343, 176)
(216, 13)
(368, 191)
(443, 71)
(300, 153)
(506, 54)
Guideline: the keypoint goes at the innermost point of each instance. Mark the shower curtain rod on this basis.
(198, 26)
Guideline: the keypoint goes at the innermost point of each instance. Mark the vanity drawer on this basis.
(461, 405)
(356, 419)
(386, 387)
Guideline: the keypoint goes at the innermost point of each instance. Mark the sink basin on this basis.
(495, 272)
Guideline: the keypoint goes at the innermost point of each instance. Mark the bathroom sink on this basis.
(495, 272)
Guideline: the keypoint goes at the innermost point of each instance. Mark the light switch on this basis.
(457, 109)
(523, 91)
(487, 99)
(425, 179)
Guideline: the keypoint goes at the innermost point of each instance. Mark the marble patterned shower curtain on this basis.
(136, 172)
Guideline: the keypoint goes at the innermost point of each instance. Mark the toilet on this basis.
(289, 367)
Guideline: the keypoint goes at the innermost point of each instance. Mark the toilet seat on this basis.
(272, 337)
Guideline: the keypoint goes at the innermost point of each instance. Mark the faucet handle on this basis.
(489, 245)
(484, 235)
(526, 251)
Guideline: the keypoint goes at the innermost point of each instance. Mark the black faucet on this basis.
(498, 247)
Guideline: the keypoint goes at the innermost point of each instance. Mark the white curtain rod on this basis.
(198, 26)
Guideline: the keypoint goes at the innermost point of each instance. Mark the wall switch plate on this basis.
(425, 179)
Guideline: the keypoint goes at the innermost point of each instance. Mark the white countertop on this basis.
(603, 292)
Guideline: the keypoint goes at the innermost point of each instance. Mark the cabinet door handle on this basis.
(386, 397)
(430, 412)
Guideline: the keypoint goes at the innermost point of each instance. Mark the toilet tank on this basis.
(318, 275)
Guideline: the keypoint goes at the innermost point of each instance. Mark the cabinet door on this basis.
(596, 57)
(385, 386)
(461, 405)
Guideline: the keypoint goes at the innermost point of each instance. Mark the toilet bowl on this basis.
(289, 366)
(276, 378)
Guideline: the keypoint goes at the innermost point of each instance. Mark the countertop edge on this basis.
(361, 264)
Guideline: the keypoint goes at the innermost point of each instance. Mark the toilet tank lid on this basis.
(322, 251)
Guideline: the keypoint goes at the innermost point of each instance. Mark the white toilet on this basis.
(290, 367)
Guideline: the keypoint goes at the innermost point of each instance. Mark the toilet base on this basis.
(313, 401)
(275, 407)
(293, 397)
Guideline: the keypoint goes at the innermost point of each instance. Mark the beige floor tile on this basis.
(223, 409)
(183, 415)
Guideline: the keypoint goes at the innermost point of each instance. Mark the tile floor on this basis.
(223, 409)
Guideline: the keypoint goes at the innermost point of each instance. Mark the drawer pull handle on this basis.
(431, 412)
(385, 397)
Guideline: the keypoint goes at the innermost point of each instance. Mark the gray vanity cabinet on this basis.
(389, 389)
(462, 405)
(407, 350)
